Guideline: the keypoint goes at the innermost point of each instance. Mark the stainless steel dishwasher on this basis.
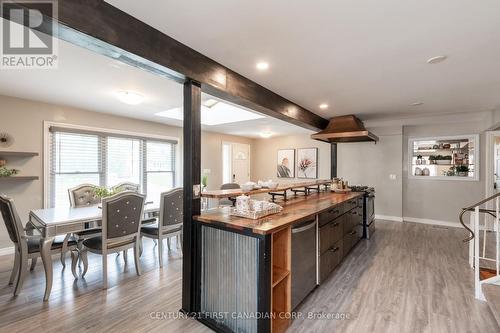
(304, 259)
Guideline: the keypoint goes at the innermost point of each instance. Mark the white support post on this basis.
(485, 224)
(477, 281)
(497, 202)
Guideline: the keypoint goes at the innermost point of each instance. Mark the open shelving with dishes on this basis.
(445, 158)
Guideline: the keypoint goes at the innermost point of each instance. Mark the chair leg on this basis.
(33, 263)
(79, 246)
(141, 246)
(15, 269)
(83, 257)
(154, 241)
(136, 259)
(23, 267)
(74, 262)
(160, 251)
(168, 244)
(180, 241)
(125, 256)
(104, 270)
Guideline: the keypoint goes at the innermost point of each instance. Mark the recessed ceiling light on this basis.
(210, 102)
(323, 106)
(220, 113)
(262, 66)
(437, 60)
(265, 135)
(129, 97)
(417, 103)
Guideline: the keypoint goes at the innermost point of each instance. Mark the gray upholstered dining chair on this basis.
(28, 247)
(121, 222)
(169, 221)
(126, 186)
(83, 195)
(228, 201)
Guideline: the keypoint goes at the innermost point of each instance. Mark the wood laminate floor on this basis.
(408, 278)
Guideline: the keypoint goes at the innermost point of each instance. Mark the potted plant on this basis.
(204, 182)
(419, 159)
(4, 172)
(104, 192)
(462, 170)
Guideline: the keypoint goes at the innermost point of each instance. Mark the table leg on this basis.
(45, 246)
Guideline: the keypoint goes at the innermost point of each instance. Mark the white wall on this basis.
(211, 155)
(24, 119)
(441, 200)
(264, 159)
(429, 200)
(371, 164)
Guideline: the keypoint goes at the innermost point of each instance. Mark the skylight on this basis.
(220, 113)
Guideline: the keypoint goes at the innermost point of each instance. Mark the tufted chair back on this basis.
(11, 219)
(83, 195)
(171, 208)
(122, 215)
(230, 186)
(126, 186)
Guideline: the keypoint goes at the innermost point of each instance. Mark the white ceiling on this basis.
(364, 57)
(90, 81)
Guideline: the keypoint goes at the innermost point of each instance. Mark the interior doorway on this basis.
(235, 162)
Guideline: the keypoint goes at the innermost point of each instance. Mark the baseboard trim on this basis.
(434, 222)
(389, 218)
(6, 251)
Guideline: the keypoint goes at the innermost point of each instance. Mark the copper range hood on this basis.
(345, 129)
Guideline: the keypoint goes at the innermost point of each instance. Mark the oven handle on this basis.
(304, 228)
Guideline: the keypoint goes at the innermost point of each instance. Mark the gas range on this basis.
(368, 209)
(362, 188)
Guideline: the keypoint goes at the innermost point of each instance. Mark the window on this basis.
(105, 159)
(227, 173)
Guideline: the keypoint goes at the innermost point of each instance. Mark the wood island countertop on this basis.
(294, 210)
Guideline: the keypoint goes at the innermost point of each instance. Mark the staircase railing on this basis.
(474, 229)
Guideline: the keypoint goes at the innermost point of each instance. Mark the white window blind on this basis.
(103, 159)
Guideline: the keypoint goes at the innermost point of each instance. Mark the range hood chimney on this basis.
(345, 129)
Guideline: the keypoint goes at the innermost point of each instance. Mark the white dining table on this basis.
(52, 222)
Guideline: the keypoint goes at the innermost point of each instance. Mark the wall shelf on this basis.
(19, 178)
(5, 153)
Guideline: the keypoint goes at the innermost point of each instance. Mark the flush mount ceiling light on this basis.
(220, 113)
(129, 97)
(262, 66)
(437, 60)
(323, 106)
(417, 103)
(265, 135)
(210, 102)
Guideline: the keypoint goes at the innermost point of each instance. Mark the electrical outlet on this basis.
(392, 176)
(206, 171)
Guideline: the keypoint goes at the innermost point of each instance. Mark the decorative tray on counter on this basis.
(255, 215)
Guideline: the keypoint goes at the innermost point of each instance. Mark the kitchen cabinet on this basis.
(340, 229)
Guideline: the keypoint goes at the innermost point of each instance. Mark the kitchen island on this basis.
(246, 267)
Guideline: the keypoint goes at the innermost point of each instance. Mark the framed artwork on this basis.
(307, 163)
(286, 163)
